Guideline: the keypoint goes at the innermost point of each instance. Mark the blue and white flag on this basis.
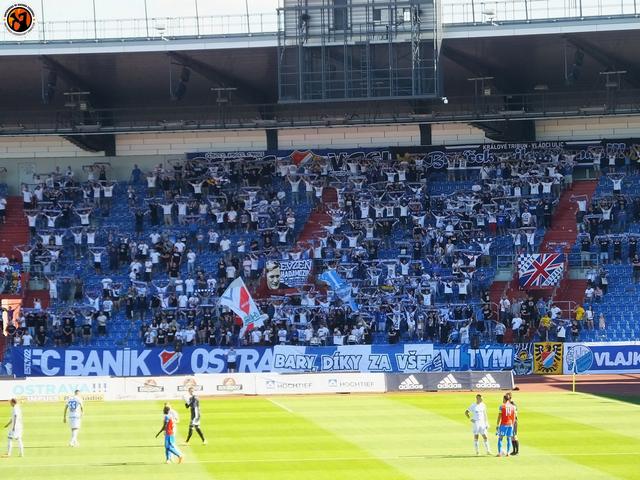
(340, 287)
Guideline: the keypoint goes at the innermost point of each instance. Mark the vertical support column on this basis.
(95, 25)
(425, 134)
(272, 139)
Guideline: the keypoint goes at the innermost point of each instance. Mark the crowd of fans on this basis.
(419, 265)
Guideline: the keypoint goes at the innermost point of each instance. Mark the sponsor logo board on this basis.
(229, 385)
(487, 382)
(449, 383)
(410, 383)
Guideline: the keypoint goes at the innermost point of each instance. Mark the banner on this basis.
(547, 358)
(157, 362)
(434, 157)
(295, 272)
(540, 270)
(436, 382)
(285, 274)
(602, 357)
(340, 287)
(423, 357)
(523, 358)
(238, 299)
(27, 361)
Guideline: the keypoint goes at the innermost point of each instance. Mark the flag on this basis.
(301, 158)
(238, 299)
(540, 270)
(340, 287)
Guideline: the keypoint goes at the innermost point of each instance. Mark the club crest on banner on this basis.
(547, 358)
(169, 361)
(578, 358)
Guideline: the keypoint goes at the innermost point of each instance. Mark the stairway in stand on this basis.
(31, 295)
(562, 236)
(563, 231)
(559, 238)
(496, 290)
(570, 290)
(15, 231)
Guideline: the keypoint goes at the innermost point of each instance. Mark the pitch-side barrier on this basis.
(167, 388)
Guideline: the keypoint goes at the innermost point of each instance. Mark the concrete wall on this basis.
(334, 137)
(456, 134)
(179, 143)
(39, 147)
(588, 128)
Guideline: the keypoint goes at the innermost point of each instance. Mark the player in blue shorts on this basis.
(504, 427)
(515, 441)
(168, 427)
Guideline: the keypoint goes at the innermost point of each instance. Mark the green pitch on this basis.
(411, 436)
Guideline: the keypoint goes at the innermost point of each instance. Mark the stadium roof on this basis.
(537, 75)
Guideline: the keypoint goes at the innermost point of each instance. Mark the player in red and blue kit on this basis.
(514, 441)
(504, 428)
(168, 427)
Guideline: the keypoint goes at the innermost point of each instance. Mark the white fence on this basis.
(56, 389)
(168, 388)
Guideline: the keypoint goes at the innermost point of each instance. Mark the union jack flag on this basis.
(540, 270)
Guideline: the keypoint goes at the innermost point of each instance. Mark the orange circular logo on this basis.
(19, 19)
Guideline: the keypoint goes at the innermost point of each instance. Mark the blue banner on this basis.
(421, 357)
(602, 357)
(340, 287)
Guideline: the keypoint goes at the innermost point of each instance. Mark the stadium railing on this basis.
(454, 12)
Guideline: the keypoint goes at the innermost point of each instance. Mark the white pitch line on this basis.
(278, 404)
(324, 459)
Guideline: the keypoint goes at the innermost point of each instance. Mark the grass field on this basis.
(410, 436)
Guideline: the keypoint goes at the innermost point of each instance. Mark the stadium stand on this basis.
(143, 261)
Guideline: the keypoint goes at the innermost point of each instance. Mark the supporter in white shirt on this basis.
(180, 246)
(464, 334)
(191, 261)
(225, 245)
(231, 272)
(516, 323)
(189, 335)
(256, 336)
(282, 336)
(183, 301)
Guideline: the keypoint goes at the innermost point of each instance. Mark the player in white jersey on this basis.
(477, 413)
(15, 428)
(76, 409)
